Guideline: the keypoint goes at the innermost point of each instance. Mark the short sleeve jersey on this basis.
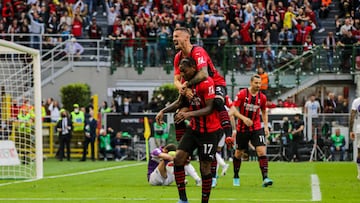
(202, 60)
(203, 91)
(249, 106)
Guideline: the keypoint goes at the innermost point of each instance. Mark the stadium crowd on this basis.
(143, 29)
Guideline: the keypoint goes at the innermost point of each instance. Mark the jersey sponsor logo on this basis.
(251, 107)
(201, 60)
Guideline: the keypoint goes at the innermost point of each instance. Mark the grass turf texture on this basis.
(126, 182)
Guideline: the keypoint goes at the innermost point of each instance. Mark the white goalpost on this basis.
(21, 154)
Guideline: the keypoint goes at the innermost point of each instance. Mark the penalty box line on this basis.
(315, 188)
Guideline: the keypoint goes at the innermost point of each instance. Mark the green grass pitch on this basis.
(126, 182)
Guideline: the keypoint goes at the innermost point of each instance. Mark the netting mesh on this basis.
(17, 134)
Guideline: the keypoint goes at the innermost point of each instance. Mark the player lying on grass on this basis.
(160, 166)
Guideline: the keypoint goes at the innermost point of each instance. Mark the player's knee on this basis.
(180, 158)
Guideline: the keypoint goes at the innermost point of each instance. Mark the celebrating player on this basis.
(203, 133)
(250, 102)
(205, 67)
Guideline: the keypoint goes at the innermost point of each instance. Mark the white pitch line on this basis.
(315, 188)
(74, 174)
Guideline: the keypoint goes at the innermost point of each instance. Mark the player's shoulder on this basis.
(178, 55)
(198, 51)
(356, 100)
(208, 81)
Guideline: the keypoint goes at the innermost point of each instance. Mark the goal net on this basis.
(20, 112)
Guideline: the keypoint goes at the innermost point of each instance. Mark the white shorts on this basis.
(357, 139)
(222, 141)
(157, 179)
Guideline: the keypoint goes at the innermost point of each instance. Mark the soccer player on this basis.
(355, 130)
(158, 173)
(250, 101)
(203, 133)
(205, 67)
(219, 159)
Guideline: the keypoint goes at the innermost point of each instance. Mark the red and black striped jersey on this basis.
(203, 91)
(202, 60)
(249, 106)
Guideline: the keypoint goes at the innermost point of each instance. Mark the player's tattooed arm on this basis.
(199, 77)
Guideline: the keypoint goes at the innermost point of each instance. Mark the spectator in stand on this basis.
(307, 59)
(24, 29)
(288, 18)
(152, 35)
(315, 6)
(74, 49)
(36, 26)
(346, 42)
(303, 30)
(94, 33)
(53, 26)
(347, 26)
(330, 103)
(77, 24)
(202, 7)
(249, 14)
(115, 108)
(111, 16)
(272, 14)
(7, 12)
(66, 19)
(341, 105)
(284, 56)
(286, 37)
(270, 104)
(189, 8)
(129, 34)
(269, 58)
(163, 43)
(329, 44)
(273, 35)
(125, 107)
(289, 103)
(140, 44)
(280, 103)
(117, 38)
(338, 144)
